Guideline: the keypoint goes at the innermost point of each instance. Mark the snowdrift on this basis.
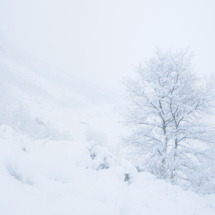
(62, 177)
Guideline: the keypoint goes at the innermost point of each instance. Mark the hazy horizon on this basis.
(102, 41)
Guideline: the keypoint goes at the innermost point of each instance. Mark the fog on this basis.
(102, 41)
(69, 141)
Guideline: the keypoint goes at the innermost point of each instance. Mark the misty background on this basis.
(101, 41)
(63, 112)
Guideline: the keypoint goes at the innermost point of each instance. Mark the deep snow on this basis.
(60, 177)
(60, 150)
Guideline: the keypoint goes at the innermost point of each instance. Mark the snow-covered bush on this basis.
(18, 117)
(102, 159)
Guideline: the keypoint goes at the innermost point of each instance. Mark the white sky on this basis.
(104, 40)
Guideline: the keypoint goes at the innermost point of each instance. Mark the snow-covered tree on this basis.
(170, 133)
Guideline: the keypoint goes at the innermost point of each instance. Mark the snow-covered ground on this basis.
(82, 177)
(60, 150)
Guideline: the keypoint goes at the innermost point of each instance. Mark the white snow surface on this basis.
(84, 173)
(60, 177)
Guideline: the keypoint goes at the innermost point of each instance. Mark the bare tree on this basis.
(169, 133)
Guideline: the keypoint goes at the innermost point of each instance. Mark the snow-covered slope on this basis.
(60, 149)
(22, 74)
(33, 93)
(66, 177)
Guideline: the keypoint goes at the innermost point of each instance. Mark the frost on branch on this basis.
(169, 134)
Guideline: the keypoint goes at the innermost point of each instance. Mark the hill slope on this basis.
(59, 149)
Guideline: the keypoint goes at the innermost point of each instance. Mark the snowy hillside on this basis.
(30, 77)
(33, 94)
(60, 149)
(67, 177)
